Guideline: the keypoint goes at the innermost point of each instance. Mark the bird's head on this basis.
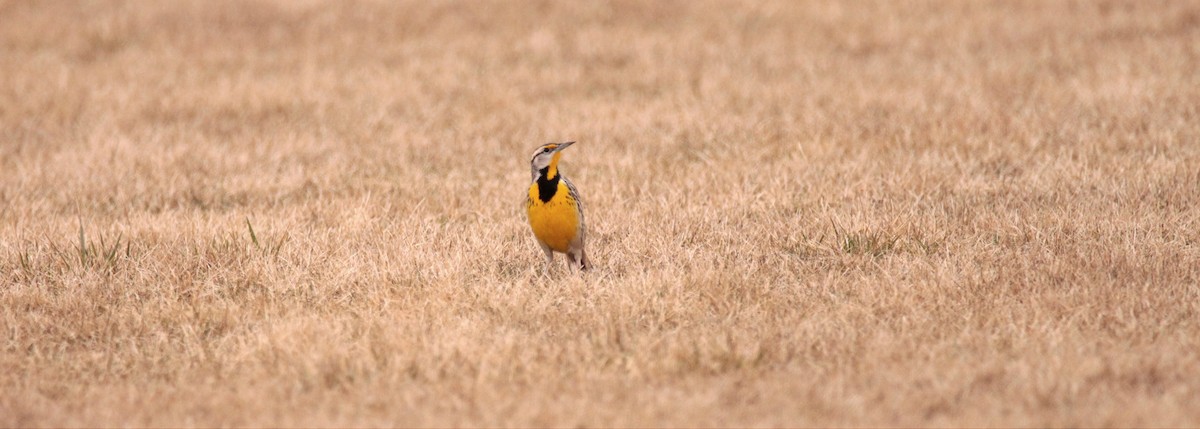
(545, 160)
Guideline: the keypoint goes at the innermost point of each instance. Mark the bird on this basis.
(555, 210)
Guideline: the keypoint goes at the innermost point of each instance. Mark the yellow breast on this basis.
(556, 222)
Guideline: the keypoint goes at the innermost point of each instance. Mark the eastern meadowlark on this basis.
(554, 208)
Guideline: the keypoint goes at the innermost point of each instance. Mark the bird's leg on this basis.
(575, 261)
(549, 260)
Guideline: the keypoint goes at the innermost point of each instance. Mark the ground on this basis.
(802, 213)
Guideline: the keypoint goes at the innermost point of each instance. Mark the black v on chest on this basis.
(547, 187)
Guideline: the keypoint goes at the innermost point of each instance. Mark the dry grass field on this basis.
(826, 213)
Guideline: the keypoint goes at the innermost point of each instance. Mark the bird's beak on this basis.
(562, 146)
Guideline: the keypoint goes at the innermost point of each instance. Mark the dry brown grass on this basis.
(902, 213)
